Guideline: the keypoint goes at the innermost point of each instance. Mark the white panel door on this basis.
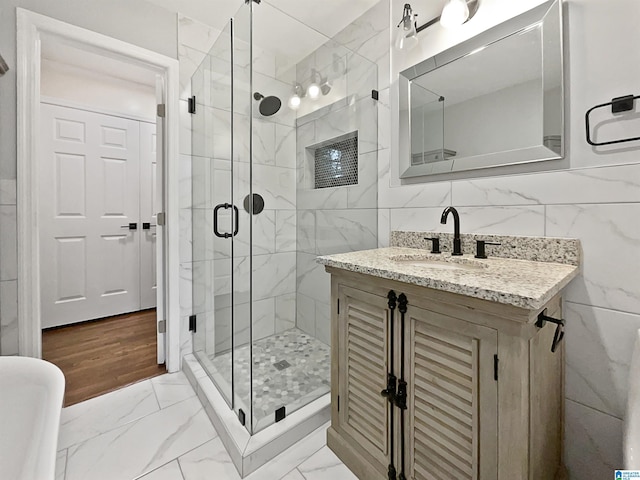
(149, 207)
(89, 193)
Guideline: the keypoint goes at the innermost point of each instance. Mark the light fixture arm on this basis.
(473, 8)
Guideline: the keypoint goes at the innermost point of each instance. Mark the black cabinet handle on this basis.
(559, 335)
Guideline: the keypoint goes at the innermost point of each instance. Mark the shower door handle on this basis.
(215, 220)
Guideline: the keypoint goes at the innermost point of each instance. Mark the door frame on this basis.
(32, 30)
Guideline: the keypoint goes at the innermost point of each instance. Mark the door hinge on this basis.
(162, 326)
(338, 402)
(162, 110)
(338, 306)
(161, 219)
(192, 323)
(495, 367)
(191, 104)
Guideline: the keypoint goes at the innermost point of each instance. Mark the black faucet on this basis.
(457, 245)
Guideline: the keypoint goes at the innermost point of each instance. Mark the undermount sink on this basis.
(439, 264)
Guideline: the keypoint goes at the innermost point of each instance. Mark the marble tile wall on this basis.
(340, 219)
(595, 199)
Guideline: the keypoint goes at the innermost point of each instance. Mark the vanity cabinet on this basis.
(484, 391)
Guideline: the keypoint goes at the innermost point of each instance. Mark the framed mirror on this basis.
(495, 99)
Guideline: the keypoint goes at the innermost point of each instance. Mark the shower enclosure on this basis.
(284, 168)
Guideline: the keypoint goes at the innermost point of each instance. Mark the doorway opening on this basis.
(98, 228)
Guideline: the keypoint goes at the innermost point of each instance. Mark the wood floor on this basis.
(101, 356)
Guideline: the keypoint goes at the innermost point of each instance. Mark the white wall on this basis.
(106, 93)
(134, 21)
(594, 196)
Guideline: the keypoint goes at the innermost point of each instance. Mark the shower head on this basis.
(268, 105)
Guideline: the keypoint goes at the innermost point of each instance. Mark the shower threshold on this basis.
(250, 452)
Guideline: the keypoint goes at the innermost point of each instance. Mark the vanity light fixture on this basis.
(313, 90)
(454, 13)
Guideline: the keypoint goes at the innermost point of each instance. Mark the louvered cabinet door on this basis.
(364, 351)
(452, 398)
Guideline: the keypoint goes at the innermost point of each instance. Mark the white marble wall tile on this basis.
(365, 115)
(186, 338)
(362, 76)
(208, 461)
(384, 230)
(277, 186)
(8, 243)
(285, 230)
(312, 280)
(202, 286)
(323, 465)
(368, 25)
(410, 196)
(305, 137)
(186, 245)
(196, 34)
(365, 193)
(185, 181)
(384, 119)
(285, 147)
(285, 312)
(490, 220)
(8, 191)
(264, 315)
(274, 275)
(264, 141)
(190, 60)
(599, 348)
(323, 322)
(620, 183)
(339, 231)
(593, 442)
(306, 314)
(172, 388)
(157, 439)
(170, 471)
(185, 139)
(61, 464)
(306, 231)
(186, 288)
(326, 198)
(417, 219)
(9, 317)
(99, 415)
(610, 241)
(201, 182)
(203, 237)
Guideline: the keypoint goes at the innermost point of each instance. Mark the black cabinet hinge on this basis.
(191, 107)
(192, 323)
(338, 402)
(338, 306)
(495, 367)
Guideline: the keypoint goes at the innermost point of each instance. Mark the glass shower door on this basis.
(214, 217)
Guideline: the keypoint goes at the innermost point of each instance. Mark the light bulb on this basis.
(313, 91)
(454, 13)
(294, 102)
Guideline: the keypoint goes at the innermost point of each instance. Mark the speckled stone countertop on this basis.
(522, 283)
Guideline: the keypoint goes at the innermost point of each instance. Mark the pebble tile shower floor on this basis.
(275, 385)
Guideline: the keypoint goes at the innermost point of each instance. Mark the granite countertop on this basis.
(521, 283)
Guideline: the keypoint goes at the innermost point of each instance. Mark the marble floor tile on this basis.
(172, 388)
(293, 475)
(142, 446)
(61, 464)
(93, 417)
(325, 465)
(200, 463)
(170, 471)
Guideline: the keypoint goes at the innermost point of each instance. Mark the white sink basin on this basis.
(439, 264)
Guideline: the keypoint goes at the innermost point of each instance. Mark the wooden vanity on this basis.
(484, 391)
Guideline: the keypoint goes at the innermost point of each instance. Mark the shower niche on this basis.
(261, 348)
